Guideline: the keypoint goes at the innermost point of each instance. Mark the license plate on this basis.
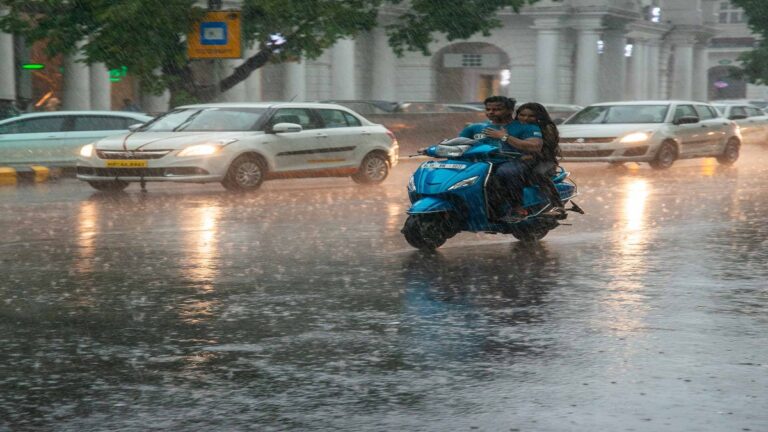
(580, 147)
(126, 164)
(444, 165)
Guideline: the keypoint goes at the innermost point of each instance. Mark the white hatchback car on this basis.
(55, 138)
(752, 121)
(241, 145)
(657, 132)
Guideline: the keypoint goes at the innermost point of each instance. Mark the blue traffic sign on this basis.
(213, 33)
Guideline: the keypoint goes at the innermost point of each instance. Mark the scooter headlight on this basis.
(466, 182)
(411, 184)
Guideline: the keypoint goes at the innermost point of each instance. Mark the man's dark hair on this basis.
(507, 101)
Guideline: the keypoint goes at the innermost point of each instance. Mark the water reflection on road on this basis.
(301, 307)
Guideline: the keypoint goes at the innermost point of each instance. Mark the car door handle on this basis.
(322, 135)
(704, 126)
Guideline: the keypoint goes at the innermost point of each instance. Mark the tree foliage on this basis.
(149, 36)
(755, 63)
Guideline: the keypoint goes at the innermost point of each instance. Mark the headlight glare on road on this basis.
(635, 137)
(463, 183)
(200, 150)
(86, 150)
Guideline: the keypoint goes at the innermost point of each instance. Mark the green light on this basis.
(33, 66)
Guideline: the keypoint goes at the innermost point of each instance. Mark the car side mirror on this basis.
(285, 128)
(737, 117)
(135, 127)
(686, 120)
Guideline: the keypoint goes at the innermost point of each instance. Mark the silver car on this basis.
(752, 121)
(55, 138)
(657, 132)
(242, 144)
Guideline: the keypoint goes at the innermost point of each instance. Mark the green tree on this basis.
(754, 65)
(149, 36)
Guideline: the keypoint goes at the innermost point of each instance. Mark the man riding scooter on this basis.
(511, 136)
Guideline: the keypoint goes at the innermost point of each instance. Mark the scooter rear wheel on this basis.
(533, 232)
(426, 232)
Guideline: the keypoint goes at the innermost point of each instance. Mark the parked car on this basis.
(366, 107)
(657, 132)
(752, 121)
(241, 145)
(55, 138)
(760, 103)
(558, 112)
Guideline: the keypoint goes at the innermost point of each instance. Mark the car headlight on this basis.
(86, 150)
(412, 184)
(200, 150)
(463, 183)
(635, 137)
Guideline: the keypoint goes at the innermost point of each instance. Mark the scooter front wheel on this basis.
(426, 231)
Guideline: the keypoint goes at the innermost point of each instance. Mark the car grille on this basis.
(586, 153)
(587, 140)
(131, 154)
(141, 172)
(636, 151)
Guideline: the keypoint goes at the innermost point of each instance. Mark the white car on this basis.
(55, 138)
(241, 145)
(752, 121)
(657, 132)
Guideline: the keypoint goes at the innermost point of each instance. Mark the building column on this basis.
(101, 87)
(384, 61)
(613, 66)
(295, 82)
(682, 72)
(253, 82)
(547, 53)
(586, 79)
(700, 73)
(343, 70)
(76, 89)
(638, 71)
(155, 104)
(7, 72)
(652, 84)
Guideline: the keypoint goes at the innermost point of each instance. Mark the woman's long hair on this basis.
(549, 133)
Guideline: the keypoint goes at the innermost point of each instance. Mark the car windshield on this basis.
(206, 119)
(614, 114)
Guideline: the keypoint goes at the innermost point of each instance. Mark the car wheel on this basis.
(109, 186)
(373, 170)
(245, 174)
(665, 157)
(730, 153)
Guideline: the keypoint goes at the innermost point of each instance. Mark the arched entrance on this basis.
(469, 71)
(723, 84)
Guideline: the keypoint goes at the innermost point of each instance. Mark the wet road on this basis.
(301, 307)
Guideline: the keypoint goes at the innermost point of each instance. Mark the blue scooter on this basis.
(457, 194)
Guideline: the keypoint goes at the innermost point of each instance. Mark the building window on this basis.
(472, 60)
(730, 14)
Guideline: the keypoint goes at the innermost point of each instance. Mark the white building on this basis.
(568, 51)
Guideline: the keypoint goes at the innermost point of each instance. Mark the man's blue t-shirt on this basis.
(516, 129)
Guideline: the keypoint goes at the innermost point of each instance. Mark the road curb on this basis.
(11, 176)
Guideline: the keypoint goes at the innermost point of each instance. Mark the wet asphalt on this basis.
(301, 307)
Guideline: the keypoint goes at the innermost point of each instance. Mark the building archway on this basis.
(722, 84)
(469, 71)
